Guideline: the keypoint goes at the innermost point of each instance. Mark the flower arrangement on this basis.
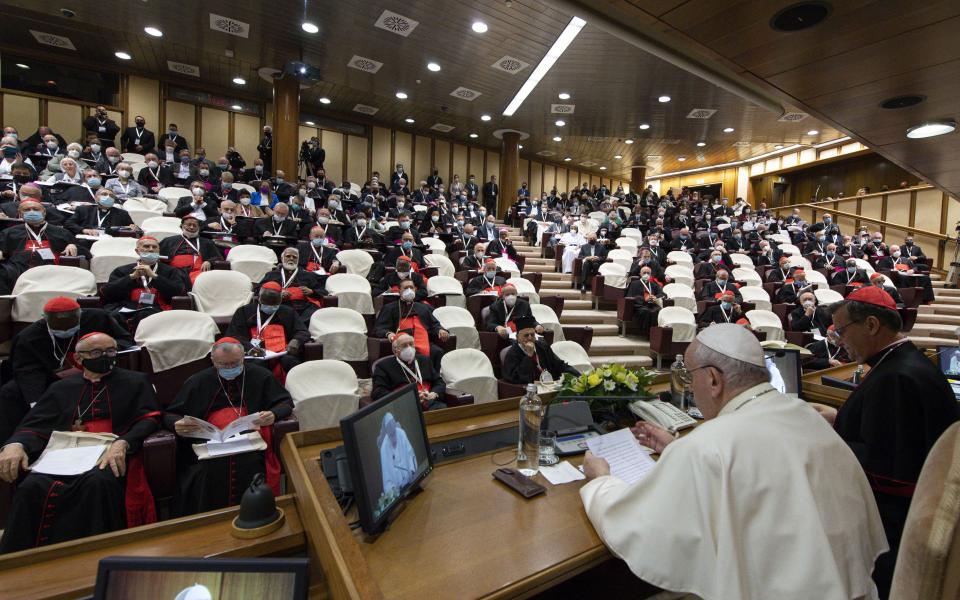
(608, 380)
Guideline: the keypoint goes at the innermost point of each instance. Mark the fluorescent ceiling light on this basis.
(563, 96)
(122, 55)
(479, 27)
(409, 120)
(433, 67)
(663, 99)
(681, 158)
(603, 168)
(567, 159)
(310, 123)
(474, 136)
(813, 132)
(309, 27)
(627, 141)
(560, 123)
(23, 66)
(485, 117)
(617, 156)
(556, 138)
(728, 130)
(401, 95)
(644, 126)
(236, 107)
(324, 100)
(701, 144)
(240, 81)
(153, 31)
(931, 129)
(570, 33)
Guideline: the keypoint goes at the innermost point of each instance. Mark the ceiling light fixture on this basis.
(324, 100)
(401, 95)
(485, 117)
(479, 27)
(567, 159)
(931, 129)
(236, 107)
(778, 147)
(802, 15)
(617, 156)
(701, 144)
(560, 123)
(728, 129)
(474, 136)
(310, 123)
(556, 138)
(122, 55)
(23, 66)
(681, 158)
(663, 99)
(627, 141)
(644, 126)
(570, 33)
(240, 81)
(520, 146)
(309, 27)
(603, 168)
(153, 31)
(563, 96)
(813, 132)
(433, 67)
(409, 120)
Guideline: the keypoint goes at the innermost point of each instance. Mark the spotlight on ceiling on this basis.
(474, 136)
(556, 138)
(627, 141)
(681, 158)
(813, 132)
(560, 123)
(401, 95)
(122, 55)
(563, 96)
(240, 81)
(520, 146)
(310, 123)
(778, 147)
(728, 129)
(902, 101)
(479, 27)
(485, 117)
(433, 67)
(23, 66)
(324, 100)
(603, 168)
(236, 107)
(617, 156)
(567, 159)
(802, 15)
(644, 126)
(931, 129)
(408, 120)
(663, 99)
(153, 31)
(701, 144)
(309, 27)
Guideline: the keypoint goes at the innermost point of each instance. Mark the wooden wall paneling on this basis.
(477, 166)
(422, 159)
(549, 177)
(403, 154)
(873, 210)
(561, 179)
(929, 209)
(246, 136)
(524, 171)
(215, 124)
(357, 169)
(951, 217)
(493, 165)
(536, 179)
(848, 225)
(143, 98)
(380, 153)
(460, 156)
(333, 143)
(898, 209)
(22, 112)
(185, 117)
(441, 158)
(65, 119)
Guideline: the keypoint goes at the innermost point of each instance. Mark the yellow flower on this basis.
(594, 379)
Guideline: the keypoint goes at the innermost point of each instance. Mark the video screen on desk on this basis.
(386, 446)
(949, 361)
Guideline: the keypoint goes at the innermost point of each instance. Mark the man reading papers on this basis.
(50, 508)
(761, 501)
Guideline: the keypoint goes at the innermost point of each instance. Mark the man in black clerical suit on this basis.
(390, 283)
(114, 494)
(138, 139)
(407, 366)
(406, 315)
(303, 290)
(188, 251)
(529, 357)
(144, 287)
(277, 225)
(808, 316)
(104, 216)
(266, 325)
(36, 242)
(503, 315)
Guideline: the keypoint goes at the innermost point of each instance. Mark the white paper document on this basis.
(626, 456)
(209, 431)
(68, 461)
(234, 446)
(562, 472)
(268, 356)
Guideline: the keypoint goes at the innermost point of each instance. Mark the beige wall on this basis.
(357, 168)
(246, 136)
(66, 119)
(144, 99)
(441, 154)
(422, 159)
(332, 142)
(21, 112)
(215, 131)
(185, 117)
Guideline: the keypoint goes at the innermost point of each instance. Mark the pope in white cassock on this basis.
(763, 500)
(571, 240)
(398, 462)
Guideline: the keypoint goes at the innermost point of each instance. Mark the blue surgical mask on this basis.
(725, 305)
(226, 185)
(231, 372)
(93, 181)
(407, 245)
(33, 216)
(318, 241)
(404, 224)
(269, 309)
(65, 333)
(106, 201)
(149, 258)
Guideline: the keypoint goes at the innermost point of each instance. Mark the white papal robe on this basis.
(764, 501)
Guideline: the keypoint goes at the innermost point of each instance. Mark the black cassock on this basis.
(890, 421)
(50, 509)
(520, 368)
(218, 482)
(21, 250)
(284, 327)
(36, 358)
(123, 292)
(645, 310)
(292, 281)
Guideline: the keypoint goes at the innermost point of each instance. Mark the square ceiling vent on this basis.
(793, 117)
(49, 39)
(510, 64)
(365, 109)
(442, 127)
(229, 26)
(562, 109)
(396, 23)
(701, 113)
(183, 68)
(466, 94)
(367, 65)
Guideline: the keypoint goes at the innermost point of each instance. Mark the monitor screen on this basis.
(949, 361)
(387, 451)
(124, 577)
(784, 369)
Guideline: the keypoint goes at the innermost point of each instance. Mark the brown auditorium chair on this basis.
(554, 302)
(908, 317)
(912, 296)
(534, 277)
(476, 304)
(625, 314)
(928, 563)
(545, 250)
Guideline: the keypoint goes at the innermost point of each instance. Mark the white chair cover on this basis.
(507, 266)
(132, 157)
(141, 209)
(766, 321)
(136, 168)
(323, 392)
(817, 278)
(252, 260)
(742, 260)
(470, 371)
(756, 295)
(722, 226)
(357, 262)
(631, 245)
(443, 285)
(161, 227)
(435, 246)
(103, 264)
(342, 331)
(459, 322)
(799, 261)
(865, 265)
(549, 319)
(172, 195)
(680, 274)
(748, 277)
(37, 285)
(176, 337)
(244, 186)
(221, 293)
(598, 215)
(632, 232)
(679, 257)
(525, 289)
(788, 248)
(682, 320)
(780, 238)
(573, 354)
(419, 208)
(352, 291)
(621, 257)
(443, 264)
(614, 275)
(826, 296)
(112, 246)
(682, 296)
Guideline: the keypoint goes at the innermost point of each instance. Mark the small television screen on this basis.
(388, 454)
(784, 369)
(125, 577)
(949, 361)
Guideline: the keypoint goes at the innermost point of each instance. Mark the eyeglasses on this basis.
(687, 378)
(839, 330)
(97, 353)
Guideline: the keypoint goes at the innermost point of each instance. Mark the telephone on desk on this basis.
(663, 414)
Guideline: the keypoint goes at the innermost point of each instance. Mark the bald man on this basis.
(114, 494)
(278, 225)
(407, 366)
(36, 242)
(808, 523)
(227, 227)
(144, 287)
(301, 289)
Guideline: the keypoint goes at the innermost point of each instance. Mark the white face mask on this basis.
(74, 154)
(510, 300)
(124, 173)
(408, 354)
(152, 164)
(408, 295)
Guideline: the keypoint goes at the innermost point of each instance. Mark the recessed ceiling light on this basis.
(556, 138)
(617, 156)
(933, 128)
(240, 81)
(309, 27)
(123, 55)
(236, 107)
(560, 123)
(433, 67)
(663, 99)
(627, 141)
(479, 27)
(567, 159)
(603, 168)
(310, 123)
(902, 101)
(778, 147)
(408, 120)
(474, 136)
(563, 96)
(485, 117)
(701, 144)
(303, 70)
(153, 31)
(681, 158)
(566, 37)
(324, 100)
(23, 66)
(401, 95)
(813, 132)
(644, 126)
(803, 15)
(728, 129)
(520, 146)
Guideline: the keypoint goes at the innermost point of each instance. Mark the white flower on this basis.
(609, 385)
(632, 385)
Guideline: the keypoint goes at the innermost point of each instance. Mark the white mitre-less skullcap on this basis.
(733, 341)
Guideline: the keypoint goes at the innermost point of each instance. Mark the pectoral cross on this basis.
(78, 426)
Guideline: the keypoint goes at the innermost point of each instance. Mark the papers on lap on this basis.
(209, 431)
(226, 441)
(626, 456)
(268, 356)
(68, 461)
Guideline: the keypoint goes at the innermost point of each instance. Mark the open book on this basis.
(226, 441)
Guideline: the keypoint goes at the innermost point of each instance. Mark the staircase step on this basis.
(587, 316)
(554, 276)
(946, 293)
(603, 330)
(619, 346)
(934, 318)
(937, 330)
(941, 308)
(539, 268)
(582, 305)
(634, 360)
(566, 293)
(932, 342)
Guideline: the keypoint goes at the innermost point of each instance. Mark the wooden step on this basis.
(581, 305)
(946, 293)
(567, 293)
(932, 342)
(945, 309)
(620, 346)
(554, 276)
(934, 330)
(587, 316)
(629, 360)
(603, 329)
(934, 318)
(539, 268)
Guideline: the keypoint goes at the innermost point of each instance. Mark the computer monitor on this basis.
(124, 577)
(949, 361)
(388, 454)
(784, 368)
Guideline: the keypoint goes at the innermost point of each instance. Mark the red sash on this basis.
(273, 336)
(313, 266)
(138, 497)
(421, 339)
(296, 295)
(135, 297)
(223, 417)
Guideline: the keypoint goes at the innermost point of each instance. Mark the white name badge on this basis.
(147, 298)
(255, 342)
(45, 253)
(102, 129)
(138, 140)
